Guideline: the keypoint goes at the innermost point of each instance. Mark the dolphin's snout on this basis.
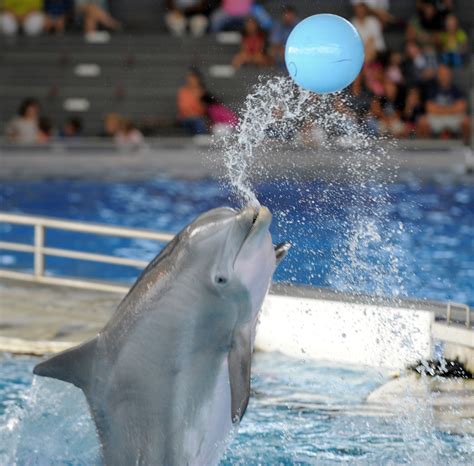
(254, 221)
(253, 213)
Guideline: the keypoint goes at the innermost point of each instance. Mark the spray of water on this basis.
(280, 120)
(293, 136)
(273, 106)
(55, 408)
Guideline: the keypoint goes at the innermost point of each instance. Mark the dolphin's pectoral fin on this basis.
(281, 250)
(240, 357)
(71, 366)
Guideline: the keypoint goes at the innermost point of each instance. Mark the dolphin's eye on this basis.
(221, 280)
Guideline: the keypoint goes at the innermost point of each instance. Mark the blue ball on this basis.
(324, 53)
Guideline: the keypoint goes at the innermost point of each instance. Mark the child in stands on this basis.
(57, 12)
(192, 110)
(252, 49)
(453, 42)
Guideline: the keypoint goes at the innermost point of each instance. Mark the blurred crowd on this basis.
(30, 127)
(401, 93)
(34, 17)
(408, 91)
(411, 92)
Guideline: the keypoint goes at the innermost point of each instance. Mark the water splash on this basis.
(61, 411)
(273, 108)
(278, 121)
(288, 135)
(300, 413)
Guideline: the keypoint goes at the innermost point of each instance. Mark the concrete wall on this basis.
(373, 335)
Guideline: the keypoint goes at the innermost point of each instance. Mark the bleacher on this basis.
(138, 71)
(138, 76)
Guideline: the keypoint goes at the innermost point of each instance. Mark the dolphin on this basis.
(167, 380)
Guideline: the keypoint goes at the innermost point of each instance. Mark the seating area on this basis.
(136, 75)
(137, 72)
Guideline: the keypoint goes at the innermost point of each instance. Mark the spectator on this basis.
(252, 48)
(391, 105)
(264, 19)
(282, 129)
(393, 71)
(23, 129)
(128, 136)
(223, 119)
(446, 108)
(112, 122)
(375, 116)
(94, 14)
(373, 73)
(191, 108)
(413, 110)
(369, 27)
(56, 12)
(345, 131)
(187, 13)
(122, 130)
(378, 8)
(419, 69)
(45, 131)
(72, 129)
(24, 14)
(442, 9)
(422, 27)
(230, 14)
(360, 98)
(280, 32)
(453, 42)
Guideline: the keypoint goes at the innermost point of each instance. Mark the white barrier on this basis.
(349, 332)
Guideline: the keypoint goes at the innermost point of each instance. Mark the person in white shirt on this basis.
(23, 129)
(369, 27)
(378, 8)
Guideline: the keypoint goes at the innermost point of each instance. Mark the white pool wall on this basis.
(346, 332)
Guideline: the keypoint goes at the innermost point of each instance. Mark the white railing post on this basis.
(38, 252)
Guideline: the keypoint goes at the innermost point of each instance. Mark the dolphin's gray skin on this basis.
(169, 375)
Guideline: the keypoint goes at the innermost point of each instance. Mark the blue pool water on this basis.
(302, 413)
(409, 238)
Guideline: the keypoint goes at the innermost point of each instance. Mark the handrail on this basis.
(39, 250)
(125, 232)
(466, 309)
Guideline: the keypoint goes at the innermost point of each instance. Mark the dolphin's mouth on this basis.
(259, 218)
(281, 250)
(258, 212)
(255, 216)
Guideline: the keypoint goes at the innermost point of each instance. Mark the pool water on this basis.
(301, 413)
(410, 238)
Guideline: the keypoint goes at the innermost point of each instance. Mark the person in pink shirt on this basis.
(230, 14)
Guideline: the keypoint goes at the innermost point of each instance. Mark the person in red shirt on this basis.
(252, 48)
(191, 108)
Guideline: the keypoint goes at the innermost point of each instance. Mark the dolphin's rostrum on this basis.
(169, 375)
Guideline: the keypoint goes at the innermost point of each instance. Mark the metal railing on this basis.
(40, 250)
(464, 307)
